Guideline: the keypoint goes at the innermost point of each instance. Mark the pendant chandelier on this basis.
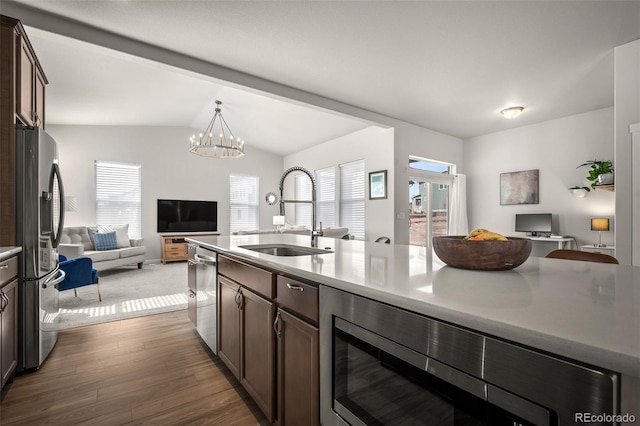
(217, 140)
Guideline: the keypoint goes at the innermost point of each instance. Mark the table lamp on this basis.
(599, 224)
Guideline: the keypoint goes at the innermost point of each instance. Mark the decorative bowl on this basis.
(457, 252)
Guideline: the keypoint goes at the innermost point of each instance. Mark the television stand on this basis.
(174, 247)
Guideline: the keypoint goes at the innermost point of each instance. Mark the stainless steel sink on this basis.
(284, 249)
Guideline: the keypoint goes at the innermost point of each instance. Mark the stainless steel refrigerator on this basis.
(40, 219)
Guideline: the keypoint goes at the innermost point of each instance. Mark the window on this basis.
(118, 195)
(302, 185)
(243, 201)
(352, 192)
(418, 163)
(326, 196)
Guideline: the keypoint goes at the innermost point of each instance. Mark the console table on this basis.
(610, 250)
(563, 243)
(174, 247)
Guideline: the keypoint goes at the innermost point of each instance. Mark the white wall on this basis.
(555, 148)
(374, 145)
(627, 113)
(168, 171)
(411, 140)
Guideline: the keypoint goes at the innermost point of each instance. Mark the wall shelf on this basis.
(611, 188)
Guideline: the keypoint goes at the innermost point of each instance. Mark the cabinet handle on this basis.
(5, 299)
(238, 298)
(276, 324)
(295, 287)
(4, 266)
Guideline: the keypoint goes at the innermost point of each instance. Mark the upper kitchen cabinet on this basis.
(22, 92)
(30, 84)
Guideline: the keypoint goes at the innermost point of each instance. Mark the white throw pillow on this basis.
(122, 233)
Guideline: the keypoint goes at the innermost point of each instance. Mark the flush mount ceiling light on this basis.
(217, 140)
(512, 112)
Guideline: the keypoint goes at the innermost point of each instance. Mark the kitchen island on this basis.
(582, 311)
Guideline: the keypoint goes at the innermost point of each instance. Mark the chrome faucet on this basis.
(314, 232)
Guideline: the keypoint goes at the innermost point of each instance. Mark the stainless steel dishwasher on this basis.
(202, 305)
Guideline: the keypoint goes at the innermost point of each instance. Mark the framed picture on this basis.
(519, 187)
(378, 185)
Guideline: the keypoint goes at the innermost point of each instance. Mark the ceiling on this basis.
(449, 66)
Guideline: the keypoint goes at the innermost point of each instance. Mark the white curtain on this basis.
(458, 223)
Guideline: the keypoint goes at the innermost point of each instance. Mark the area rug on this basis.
(127, 292)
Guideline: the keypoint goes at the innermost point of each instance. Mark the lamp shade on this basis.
(278, 220)
(599, 224)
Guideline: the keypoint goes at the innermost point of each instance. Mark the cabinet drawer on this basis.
(298, 296)
(8, 269)
(176, 248)
(258, 280)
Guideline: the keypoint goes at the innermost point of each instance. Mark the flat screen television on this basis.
(534, 224)
(187, 216)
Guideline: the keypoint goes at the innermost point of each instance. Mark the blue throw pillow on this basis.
(105, 240)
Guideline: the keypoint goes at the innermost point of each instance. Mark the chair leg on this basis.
(75, 292)
(99, 295)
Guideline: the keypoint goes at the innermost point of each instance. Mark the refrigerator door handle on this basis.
(55, 279)
(55, 175)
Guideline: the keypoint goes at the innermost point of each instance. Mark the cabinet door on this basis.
(9, 333)
(229, 325)
(258, 350)
(25, 97)
(298, 371)
(39, 100)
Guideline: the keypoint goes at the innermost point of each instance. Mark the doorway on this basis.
(429, 196)
(428, 211)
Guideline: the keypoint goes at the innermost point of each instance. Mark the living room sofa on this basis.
(80, 241)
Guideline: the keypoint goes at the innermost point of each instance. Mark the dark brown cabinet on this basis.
(257, 373)
(268, 338)
(298, 374)
(298, 366)
(22, 100)
(246, 340)
(30, 96)
(8, 318)
(229, 324)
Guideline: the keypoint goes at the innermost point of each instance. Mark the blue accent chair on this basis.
(80, 272)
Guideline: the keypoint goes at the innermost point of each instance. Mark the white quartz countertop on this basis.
(585, 311)
(7, 252)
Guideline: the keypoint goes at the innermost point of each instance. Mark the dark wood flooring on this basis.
(147, 370)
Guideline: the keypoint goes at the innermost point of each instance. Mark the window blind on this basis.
(303, 186)
(243, 201)
(352, 192)
(118, 195)
(326, 196)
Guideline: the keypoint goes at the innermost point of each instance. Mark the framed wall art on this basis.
(378, 185)
(519, 187)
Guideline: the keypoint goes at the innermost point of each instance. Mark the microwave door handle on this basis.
(55, 175)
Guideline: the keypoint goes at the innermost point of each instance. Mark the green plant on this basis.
(597, 168)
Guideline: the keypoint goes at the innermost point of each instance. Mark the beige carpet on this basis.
(127, 292)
